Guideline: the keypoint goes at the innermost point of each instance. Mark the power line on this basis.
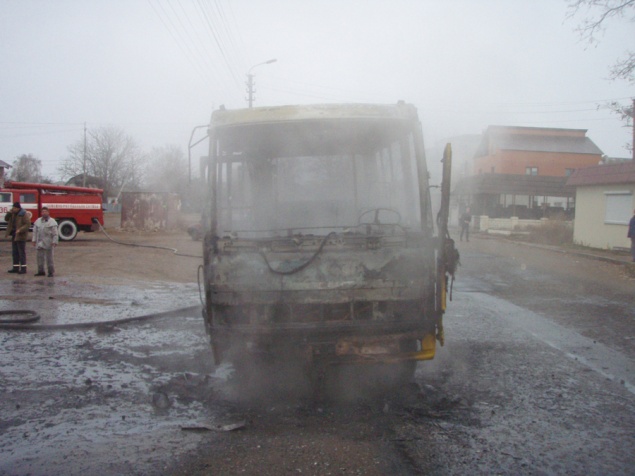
(193, 45)
(228, 28)
(206, 24)
(241, 42)
(197, 45)
(209, 20)
(566, 103)
(206, 55)
(184, 48)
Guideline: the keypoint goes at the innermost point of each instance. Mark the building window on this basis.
(493, 169)
(619, 208)
(531, 170)
(568, 172)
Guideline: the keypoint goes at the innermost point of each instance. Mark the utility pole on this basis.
(250, 82)
(250, 90)
(84, 173)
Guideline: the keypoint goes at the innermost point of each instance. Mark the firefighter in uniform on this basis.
(18, 223)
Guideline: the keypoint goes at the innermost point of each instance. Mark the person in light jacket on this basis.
(45, 239)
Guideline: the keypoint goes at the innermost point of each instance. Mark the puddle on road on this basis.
(76, 402)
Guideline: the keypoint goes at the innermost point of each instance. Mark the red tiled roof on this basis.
(603, 175)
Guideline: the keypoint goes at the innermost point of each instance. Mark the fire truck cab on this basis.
(74, 208)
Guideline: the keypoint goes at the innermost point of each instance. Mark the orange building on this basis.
(522, 172)
(534, 151)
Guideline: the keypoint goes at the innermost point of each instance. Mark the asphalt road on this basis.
(537, 377)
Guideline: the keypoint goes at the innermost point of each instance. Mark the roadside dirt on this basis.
(92, 257)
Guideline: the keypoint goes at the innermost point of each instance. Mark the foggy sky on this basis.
(156, 68)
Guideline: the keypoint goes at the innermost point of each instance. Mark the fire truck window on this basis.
(5, 197)
(27, 198)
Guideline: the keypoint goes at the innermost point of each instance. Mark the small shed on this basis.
(605, 200)
(150, 211)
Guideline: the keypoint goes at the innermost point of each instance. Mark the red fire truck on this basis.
(74, 208)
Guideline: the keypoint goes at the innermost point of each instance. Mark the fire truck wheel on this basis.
(67, 230)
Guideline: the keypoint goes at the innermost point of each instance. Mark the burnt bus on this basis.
(320, 243)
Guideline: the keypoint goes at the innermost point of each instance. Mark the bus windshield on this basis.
(315, 176)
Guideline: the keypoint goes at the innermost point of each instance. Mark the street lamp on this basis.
(250, 81)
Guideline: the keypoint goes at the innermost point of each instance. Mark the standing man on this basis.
(18, 223)
(45, 239)
(465, 220)
(631, 235)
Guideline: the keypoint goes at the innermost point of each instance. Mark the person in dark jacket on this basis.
(464, 221)
(18, 223)
(631, 235)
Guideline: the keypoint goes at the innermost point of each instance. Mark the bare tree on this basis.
(111, 156)
(624, 68)
(166, 169)
(26, 168)
(595, 14)
(625, 112)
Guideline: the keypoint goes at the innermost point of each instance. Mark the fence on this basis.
(485, 223)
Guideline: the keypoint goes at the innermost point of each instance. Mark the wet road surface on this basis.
(537, 377)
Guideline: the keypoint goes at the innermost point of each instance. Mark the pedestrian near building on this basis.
(631, 235)
(45, 239)
(465, 221)
(18, 223)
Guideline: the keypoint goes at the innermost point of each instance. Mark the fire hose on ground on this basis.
(31, 317)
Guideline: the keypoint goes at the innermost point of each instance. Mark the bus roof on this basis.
(400, 111)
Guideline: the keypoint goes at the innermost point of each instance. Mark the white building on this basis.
(604, 204)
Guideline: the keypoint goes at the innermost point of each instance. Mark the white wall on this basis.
(589, 228)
